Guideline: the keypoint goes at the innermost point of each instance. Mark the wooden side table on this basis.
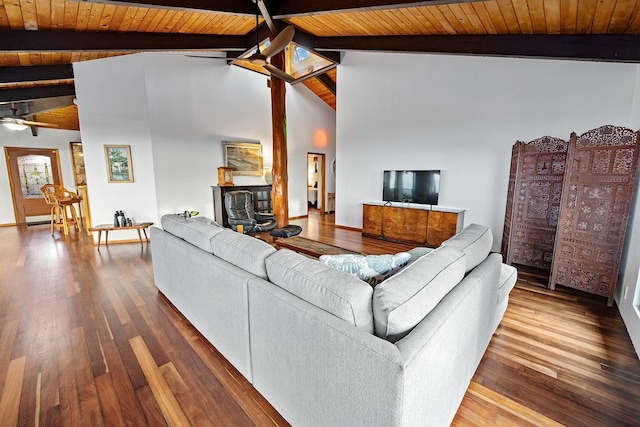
(109, 227)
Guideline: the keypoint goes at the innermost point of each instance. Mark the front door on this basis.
(30, 169)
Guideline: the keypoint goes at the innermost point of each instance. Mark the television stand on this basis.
(426, 225)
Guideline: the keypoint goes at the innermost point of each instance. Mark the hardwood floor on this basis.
(85, 339)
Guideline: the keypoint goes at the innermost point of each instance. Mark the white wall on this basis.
(47, 138)
(175, 112)
(462, 115)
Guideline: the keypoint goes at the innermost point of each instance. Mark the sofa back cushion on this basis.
(199, 234)
(331, 290)
(243, 251)
(174, 224)
(474, 241)
(402, 301)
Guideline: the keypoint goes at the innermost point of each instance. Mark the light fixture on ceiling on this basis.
(15, 126)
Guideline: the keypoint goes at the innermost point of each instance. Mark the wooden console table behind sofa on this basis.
(411, 224)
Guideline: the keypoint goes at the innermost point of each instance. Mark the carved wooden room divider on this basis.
(594, 210)
(533, 201)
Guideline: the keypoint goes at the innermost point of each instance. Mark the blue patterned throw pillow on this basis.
(373, 269)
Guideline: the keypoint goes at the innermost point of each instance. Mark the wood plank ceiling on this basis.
(38, 34)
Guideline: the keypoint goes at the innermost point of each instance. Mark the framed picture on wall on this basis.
(77, 160)
(119, 167)
(245, 158)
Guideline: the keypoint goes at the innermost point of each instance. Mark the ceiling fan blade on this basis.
(39, 124)
(277, 72)
(279, 42)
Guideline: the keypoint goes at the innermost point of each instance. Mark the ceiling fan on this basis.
(261, 58)
(14, 121)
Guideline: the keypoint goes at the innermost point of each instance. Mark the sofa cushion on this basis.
(508, 277)
(199, 234)
(373, 269)
(242, 251)
(331, 290)
(402, 301)
(475, 241)
(174, 224)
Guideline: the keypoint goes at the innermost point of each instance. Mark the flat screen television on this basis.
(408, 186)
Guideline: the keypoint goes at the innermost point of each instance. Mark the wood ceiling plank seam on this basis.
(509, 15)
(29, 14)
(338, 25)
(332, 21)
(138, 19)
(472, 15)
(152, 25)
(44, 59)
(95, 16)
(182, 23)
(65, 57)
(56, 57)
(164, 22)
(196, 24)
(148, 18)
(602, 17)
(43, 13)
(319, 27)
(82, 21)
(388, 21)
(421, 23)
(586, 13)
(4, 19)
(488, 20)
(70, 15)
(117, 17)
(552, 16)
(621, 16)
(523, 15)
(171, 25)
(127, 19)
(209, 23)
(633, 26)
(398, 25)
(229, 24)
(25, 59)
(218, 25)
(57, 14)
(438, 20)
(538, 19)
(452, 19)
(568, 16)
(410, 26)
(14, 15)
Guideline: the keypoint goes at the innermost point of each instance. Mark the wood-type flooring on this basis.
(87, 340)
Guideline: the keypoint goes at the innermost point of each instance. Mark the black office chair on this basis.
(239, 207)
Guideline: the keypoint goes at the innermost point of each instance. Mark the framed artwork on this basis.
(119, 166)
(77, 160)
(245, 158)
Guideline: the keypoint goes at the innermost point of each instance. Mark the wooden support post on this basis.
(279, 192)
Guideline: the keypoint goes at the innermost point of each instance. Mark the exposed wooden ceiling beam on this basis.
(601, 47)
(70, 41)
(292, 8)
(327, 82)
(35, 73)
(29, 93)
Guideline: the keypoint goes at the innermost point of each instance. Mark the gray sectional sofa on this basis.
(325, 348)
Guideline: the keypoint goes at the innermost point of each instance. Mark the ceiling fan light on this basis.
(15, 126)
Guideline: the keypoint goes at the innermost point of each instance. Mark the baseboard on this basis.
(344, 227)
(298, 217)
(8, 225)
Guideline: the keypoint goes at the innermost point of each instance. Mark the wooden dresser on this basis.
(411, 224)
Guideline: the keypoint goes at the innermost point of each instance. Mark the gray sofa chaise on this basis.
(325, 348)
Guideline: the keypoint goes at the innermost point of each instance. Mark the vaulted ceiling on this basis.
(40, 38)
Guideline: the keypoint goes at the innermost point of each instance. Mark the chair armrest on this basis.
(245, 222)
(264, 216)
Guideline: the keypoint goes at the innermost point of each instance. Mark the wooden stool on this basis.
(63, 213)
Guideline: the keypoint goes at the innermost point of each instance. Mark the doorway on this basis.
(29, 169)
(316, 182)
